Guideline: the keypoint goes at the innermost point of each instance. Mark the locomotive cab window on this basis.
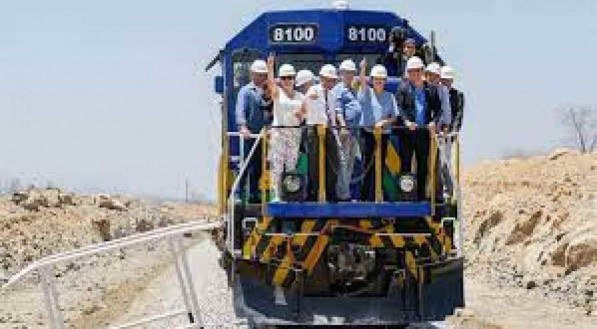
(311, 62)
(242, 60)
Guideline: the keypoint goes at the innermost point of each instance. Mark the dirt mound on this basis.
(39, 222)
(531, 222)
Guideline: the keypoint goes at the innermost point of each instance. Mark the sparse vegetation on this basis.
(580, 123)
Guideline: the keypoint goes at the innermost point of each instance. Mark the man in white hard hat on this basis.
(433, 73)
(379, 109)
(456, 98)
(420, 110)
(348, 111)
(304, 80)
(251, 116)
(443, 183)
(320, 104)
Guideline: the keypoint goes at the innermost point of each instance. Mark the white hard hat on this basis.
(286, 70)
(328, 71)
(304, 76)
(414, 63)
(447, 73)
(434, 68)
(259, 66)
(348, 65)
(379, 71)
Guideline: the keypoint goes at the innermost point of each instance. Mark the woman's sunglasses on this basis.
(287, 78)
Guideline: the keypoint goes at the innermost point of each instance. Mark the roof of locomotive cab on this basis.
(331, 24)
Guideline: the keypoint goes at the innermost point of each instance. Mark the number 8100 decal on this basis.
(293, 33)
(366, 34)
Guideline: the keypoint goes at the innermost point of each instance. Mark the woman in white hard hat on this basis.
(379, 109)
(288, 113)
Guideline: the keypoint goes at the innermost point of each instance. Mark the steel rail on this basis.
(151, 319)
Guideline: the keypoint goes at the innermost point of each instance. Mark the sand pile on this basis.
(532, 222)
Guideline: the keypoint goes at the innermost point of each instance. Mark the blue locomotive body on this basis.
(282, 258)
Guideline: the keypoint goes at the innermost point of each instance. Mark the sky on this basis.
(112, 95)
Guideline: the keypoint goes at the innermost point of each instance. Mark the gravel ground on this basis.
(90, 292)
(163, 293)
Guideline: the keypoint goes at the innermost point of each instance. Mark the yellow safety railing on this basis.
(321, 134)
(378, 165)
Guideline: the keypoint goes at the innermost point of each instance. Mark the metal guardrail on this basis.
(173, 234)
(243, 164)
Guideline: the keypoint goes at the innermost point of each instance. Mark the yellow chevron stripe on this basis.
(411, 263)
(392, 160)
(255, 236)
(316, 252)
(320, 244)
(398, 241)
(271, 248)
(287, 262)
(284, 267)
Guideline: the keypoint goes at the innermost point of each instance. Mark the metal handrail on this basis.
(44, 268)
(235, 185)
(111, 245)
(454, 176)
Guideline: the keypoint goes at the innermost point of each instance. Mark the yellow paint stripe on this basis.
(316, 252)
(271, 248)
(398, 241)
(411, 263)
(392, 160)
(255, 236)
(287, 262)
(376, 242)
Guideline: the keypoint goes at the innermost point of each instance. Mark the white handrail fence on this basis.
(172, 234)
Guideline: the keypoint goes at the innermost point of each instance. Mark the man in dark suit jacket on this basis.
(419, 106)
(456, 98)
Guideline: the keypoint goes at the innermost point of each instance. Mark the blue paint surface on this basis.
(348, 209)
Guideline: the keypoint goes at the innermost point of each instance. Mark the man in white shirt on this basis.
(321, 110)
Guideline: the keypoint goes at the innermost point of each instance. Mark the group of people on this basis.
(426, 103)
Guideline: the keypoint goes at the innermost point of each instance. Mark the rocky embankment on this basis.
(40, 222)
(532, 223)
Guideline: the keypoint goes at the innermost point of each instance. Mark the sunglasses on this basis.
(287, 78)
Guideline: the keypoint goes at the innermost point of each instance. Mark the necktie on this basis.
(328, 113)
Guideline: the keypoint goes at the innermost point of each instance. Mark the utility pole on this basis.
(186, 190)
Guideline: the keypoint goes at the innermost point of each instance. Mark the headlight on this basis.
(292, 183)
(407, 183)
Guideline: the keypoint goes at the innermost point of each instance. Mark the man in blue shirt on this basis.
(348, 110)
(251, 116)
(420, 112)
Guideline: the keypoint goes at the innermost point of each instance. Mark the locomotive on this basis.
(392, 261)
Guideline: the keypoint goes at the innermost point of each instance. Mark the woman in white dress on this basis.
(288, 112)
